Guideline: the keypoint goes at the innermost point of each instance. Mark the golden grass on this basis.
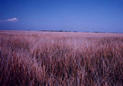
(29, 58)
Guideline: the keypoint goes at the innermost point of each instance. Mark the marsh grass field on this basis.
(30, 58)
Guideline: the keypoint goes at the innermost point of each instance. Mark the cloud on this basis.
(12, 20)
(9, 20)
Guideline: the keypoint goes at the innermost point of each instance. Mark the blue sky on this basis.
(72, 15)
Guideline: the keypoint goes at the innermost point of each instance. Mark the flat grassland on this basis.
(30, 58)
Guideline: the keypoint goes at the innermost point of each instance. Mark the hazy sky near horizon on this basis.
(72, 15)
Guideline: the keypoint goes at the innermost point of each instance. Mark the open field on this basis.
(30, 58)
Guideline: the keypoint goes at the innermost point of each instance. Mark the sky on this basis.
(66, 15)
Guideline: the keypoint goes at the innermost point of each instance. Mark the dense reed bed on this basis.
(60, 59)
